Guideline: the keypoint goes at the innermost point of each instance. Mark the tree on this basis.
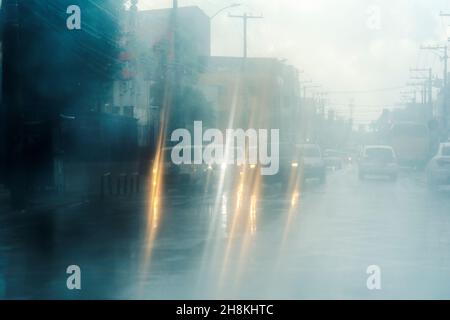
(178, 79)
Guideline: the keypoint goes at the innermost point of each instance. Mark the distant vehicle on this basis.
(311, 163)
(185, 174)
(411, 142)
(352, 155)
(438, 169)
(334, 159)
(288, 163)
(235, 179)
(378, 160)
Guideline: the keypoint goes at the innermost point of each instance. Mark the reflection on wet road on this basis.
(316, 242)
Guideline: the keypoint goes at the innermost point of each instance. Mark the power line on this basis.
(367, 91)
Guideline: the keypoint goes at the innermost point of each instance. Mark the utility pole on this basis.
(245, 17)
(418, 86)
(174, 71)
(445, 86)
(174, 31)
(429, 82)
(308, 87)
(322, 101)
(443, 57)
(409, 96)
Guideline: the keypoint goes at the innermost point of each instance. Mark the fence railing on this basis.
(123, 184)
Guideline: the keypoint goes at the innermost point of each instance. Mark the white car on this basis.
(438, 169)
(379, 160)
(312, 163)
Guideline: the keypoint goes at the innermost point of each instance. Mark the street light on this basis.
(234, 5)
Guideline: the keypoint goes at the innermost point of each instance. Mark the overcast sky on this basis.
(339, 44)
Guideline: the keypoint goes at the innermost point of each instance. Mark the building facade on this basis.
(144, 33)
(253, 93)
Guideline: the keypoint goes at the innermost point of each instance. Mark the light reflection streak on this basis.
(294, 196)
(249, 239)
(220, 190)
(156, 184)
(234, 224)
(224, 214)
(294, 192)
(155, 207)
(253, 215)
(247, 194)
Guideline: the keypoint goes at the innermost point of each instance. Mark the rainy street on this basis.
(224, 150)
(317, 243)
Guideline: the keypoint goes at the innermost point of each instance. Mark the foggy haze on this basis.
(335, 43)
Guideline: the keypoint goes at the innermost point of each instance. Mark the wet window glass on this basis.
(224, 149)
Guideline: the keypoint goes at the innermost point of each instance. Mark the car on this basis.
(378, 160)
(311, 163)
(333, 159)
(235, 168)
(438, 168)
(183, 174)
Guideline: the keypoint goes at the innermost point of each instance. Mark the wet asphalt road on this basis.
(314, 244)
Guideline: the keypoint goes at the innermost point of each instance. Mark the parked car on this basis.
(378, 160)
(311, 162)
(438, 168)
